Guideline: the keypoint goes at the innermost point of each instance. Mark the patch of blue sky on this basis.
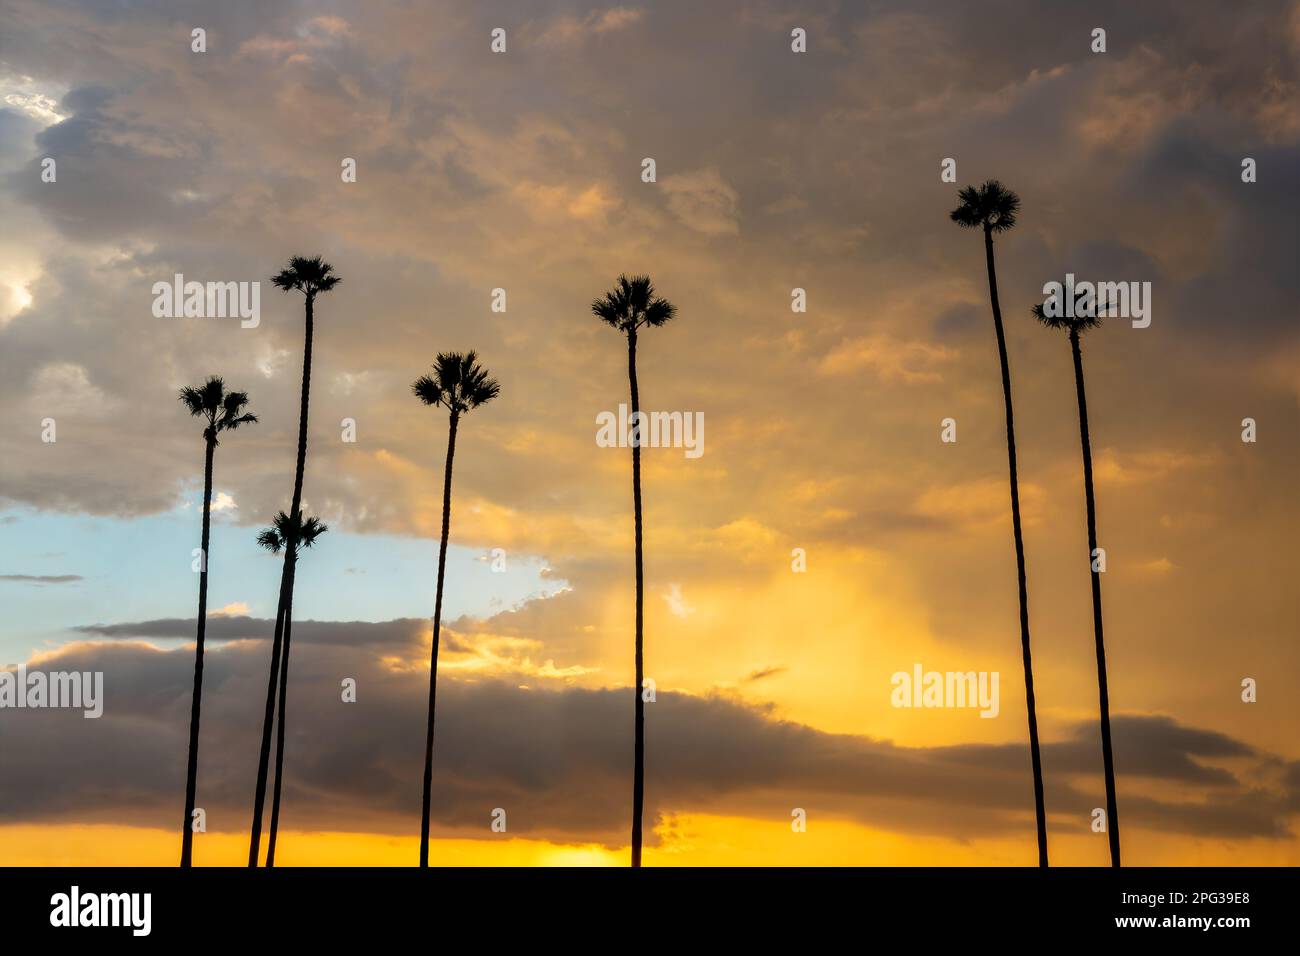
(138, 569)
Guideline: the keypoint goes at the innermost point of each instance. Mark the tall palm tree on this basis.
(1075, 327)
(311, 277)
(458, 384)
(279, 537)
(628, 307)
(992, 207)
(221, 411)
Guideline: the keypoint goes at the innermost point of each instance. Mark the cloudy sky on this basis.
(775, 170)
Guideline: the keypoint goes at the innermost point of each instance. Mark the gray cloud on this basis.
(42, 578)
(240, 627)
(557, 757)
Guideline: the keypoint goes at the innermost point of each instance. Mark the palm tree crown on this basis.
(631, 304)
(990, 205)
(307, 275)
(279, 535)
(458, 383)
(1074, 325)
(223, 410)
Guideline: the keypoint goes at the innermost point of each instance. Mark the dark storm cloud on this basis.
(1155, 747)
(556, 758)
(108, 186)
(16, 131)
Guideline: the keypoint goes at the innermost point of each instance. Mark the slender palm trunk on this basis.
(1108, 760)
(1034, 754)
(279, 727)
(255, 842)
(196, 696)
(437, 632)
(286, 590)
(638, 771)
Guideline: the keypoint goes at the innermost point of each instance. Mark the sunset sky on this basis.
(775, 171)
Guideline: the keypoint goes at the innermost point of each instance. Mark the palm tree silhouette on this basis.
(311, 277)
(1075, 327)
(627, 307)
(992, 207)
(458, 384)
(280, 537)
(222, 411)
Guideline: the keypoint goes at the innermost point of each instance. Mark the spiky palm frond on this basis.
(631, 304)
(206, 399)
(989, 205)
(309, 276)
(458, 383)
(279, 535)
(270, 538)
(223, 410)
(1075, 326)
(312, 528)
(427, 390)
(233, 414)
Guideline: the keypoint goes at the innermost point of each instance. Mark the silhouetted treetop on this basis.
(280, 535)
(1074, 325)
(223, 410)
(990, 205)
(631, 304)
(307, 275)
(458, 383)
